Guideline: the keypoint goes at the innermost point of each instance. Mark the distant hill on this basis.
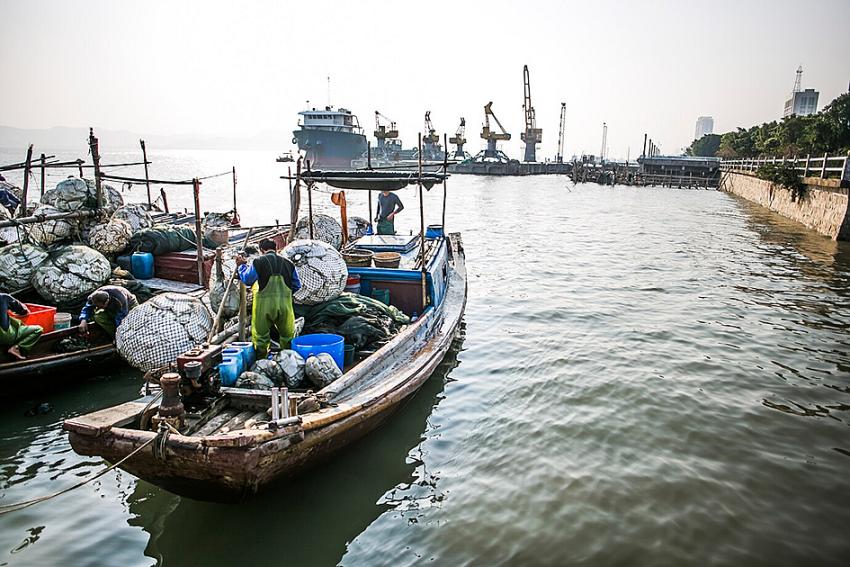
(69, 138)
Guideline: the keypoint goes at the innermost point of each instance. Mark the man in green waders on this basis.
(274, 279)
(107, 307)
(389, 205)
(19, 338)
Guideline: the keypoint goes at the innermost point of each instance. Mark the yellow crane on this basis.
(431, 137)
(459, 139)
(491, 136)
(532, 134)
(381, 130)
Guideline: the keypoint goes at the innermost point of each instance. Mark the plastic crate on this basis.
(39, 315)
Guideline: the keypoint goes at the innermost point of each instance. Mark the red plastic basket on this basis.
(39, 315)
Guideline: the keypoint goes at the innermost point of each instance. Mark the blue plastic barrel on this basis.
(248, 351)
(236, 352)
(311, 345)
(228, 370)
(434, 231)
(141, 264)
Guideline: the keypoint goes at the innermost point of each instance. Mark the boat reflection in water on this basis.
(310, 519)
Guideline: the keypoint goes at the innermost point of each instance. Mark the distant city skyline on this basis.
(220, 69)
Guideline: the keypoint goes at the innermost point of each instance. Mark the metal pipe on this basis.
(284, 403)
(275, 404)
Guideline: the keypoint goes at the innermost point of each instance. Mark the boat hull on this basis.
(329, 149)
(205, 469)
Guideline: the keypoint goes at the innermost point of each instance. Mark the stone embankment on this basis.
(824, 205)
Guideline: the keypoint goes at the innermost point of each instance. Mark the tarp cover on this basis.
(164, 238)
(158, 331)
(321, 269)
(365, 323)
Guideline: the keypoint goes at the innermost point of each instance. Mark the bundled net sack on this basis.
(321, 269)
(270, 369)
(71, 273)
(110, 237)
(219, 280)
(292, 365)
(158, 331)
(254, 381)
(18, 263)
(321, 370)
(112, 199)
(135, 215)
(51, 231)
(10, 234)
(357, 227)
(325, 228)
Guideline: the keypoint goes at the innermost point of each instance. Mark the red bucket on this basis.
(39, 315)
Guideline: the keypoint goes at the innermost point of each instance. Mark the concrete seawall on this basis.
(824, 205)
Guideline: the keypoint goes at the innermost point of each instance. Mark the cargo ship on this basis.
(330, 138)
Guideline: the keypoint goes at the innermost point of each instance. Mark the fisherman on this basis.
(273, 279)
(389, 205)
(107, 306)
(17, 336)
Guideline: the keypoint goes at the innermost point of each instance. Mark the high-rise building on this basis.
(705, 125)
(802, 102)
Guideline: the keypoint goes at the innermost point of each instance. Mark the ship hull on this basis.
(330, 149)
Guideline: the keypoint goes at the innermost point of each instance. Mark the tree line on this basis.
(827, 131)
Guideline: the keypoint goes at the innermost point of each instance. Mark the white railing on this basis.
(825, 166)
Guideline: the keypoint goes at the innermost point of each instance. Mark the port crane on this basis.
(382, 131)
(532, 134)
(492, 152)
(431, 140)
(459, 139)
(559, 158)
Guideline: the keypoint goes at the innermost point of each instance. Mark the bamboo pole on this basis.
(80, 167)
(235, 214)
(199, 237)
(220, 311)
(422, 230)
(309, 203)
(41, 218)
(243, 310)
(369, 166)
(147, 176)
(27, 167)
(164, 198)
(446, 173)
(43, 160)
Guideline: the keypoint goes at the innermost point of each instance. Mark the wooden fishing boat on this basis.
(46, 364)
(228, 447)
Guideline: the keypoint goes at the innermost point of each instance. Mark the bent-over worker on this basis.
(14, 334)
(273, 279)
(107, 306)
(389, 205)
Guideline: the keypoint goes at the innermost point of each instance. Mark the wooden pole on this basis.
(243, 310)
(422, 231)
(80, 167)
(147, 177)
(445, 172)
(199, 237)
(309, 203)
(235, 276)
(164, 198)
(371, 220)
(95, 156)
(43, 160)
(235, 214)
(27, 167)
(295, 201)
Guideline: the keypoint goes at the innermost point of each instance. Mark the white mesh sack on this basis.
(321, 269)
(18, 262)
(10, 234)
(321, 370)
(325, 228)
(135, 214)
(51, 231)
(357, 227)
(158, 331)
(110, 237)
(292, 365)
(70, 194)
(112, 199)
(71, 273)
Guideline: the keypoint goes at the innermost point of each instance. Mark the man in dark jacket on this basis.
(107, 306)
(274, 279)
(17, 336)
(389, 205)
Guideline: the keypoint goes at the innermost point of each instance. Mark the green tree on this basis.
(706, 146)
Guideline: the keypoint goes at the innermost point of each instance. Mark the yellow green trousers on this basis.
(272, 308)
(25, 336)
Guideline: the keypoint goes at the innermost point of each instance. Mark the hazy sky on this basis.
(237, 68)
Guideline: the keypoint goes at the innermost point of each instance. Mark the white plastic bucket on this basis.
(61, 321)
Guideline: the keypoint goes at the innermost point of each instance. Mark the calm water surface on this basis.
(646, 376)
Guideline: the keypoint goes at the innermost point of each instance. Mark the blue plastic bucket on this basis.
(228, 370)
(236, 352)
(248, 351)
(141, 265)
(311, 345)
(434, 231)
